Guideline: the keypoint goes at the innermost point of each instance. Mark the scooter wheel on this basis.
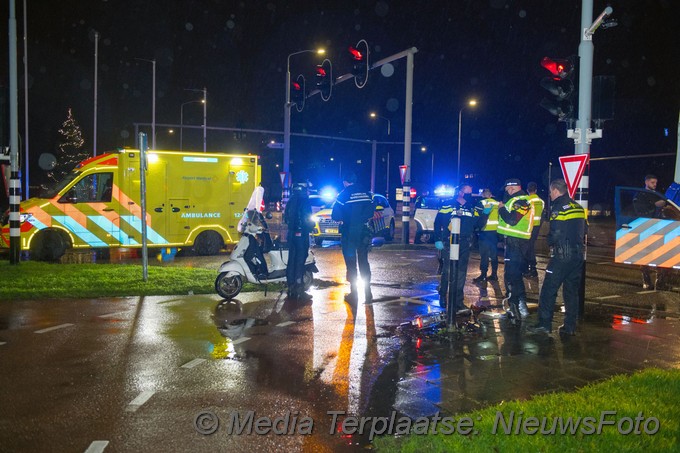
(308, 279)
(228, 285)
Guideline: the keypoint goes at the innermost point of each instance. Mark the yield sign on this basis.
(402, 172)
(572, 169)
(282, 175)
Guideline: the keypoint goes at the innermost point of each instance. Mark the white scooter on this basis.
(247, 260)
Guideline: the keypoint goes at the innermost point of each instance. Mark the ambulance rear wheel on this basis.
(228, 286)
(48, 245)
(208, 243)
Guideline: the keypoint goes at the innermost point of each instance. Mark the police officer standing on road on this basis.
(488, 239)
(354, 207)
(298, 218)
(538, 205)
(567, 247)
(462, 206)
(515, 222)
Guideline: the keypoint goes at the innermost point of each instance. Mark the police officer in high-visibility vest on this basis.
(488, 239)
(515, 222)
(470, 218)
(538, 205)
(566, 239)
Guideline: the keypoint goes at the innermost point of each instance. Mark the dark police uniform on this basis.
(470, 219)
(298, 218)
(354, 207)
(566, 240)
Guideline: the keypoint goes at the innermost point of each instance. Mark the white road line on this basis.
(613, 296)
(111, 315)
(240, 340)
(193, 363)
(2, 342)
(97, 446)
(603, 263)
(285, 323)
(49, 329)
(647, 292)
(139, 401)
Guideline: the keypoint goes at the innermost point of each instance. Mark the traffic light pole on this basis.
(14, 181)
(583, 134)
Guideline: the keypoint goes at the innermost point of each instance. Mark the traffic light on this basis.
(359, 59)
(297, 93)
(324, 79)
(560, 86)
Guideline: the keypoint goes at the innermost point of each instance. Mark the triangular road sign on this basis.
(402, 172)
(282, 175)
(572, 168)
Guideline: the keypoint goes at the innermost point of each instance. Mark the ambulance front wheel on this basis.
(208, 243)
(228, 285)
(48, 245)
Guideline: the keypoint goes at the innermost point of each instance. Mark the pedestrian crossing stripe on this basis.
(649, 242)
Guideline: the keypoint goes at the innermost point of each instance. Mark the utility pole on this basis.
(96, 65)
(26, 159)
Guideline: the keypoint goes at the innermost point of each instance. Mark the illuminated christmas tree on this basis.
(71, 151)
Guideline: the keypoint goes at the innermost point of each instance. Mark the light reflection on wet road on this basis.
(136, 371)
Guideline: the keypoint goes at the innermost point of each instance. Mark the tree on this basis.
(70, 151)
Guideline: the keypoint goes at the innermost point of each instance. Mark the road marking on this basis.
(2, 342)
(97, 446)
(647, 292)
(49, 329)
(603, 263)
(193, 363)
(613, 296)
(285, 323)
(240, 340)
(111, 315)
(139, 401)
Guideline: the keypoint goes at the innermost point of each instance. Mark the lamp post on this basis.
(153, 102)
(389, 123)
(181, 120)
(205, 115)
(286, 111)
(471, 103)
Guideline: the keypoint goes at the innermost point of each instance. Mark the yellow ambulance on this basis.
(192, 199)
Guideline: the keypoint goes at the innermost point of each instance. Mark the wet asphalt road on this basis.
(133, 374)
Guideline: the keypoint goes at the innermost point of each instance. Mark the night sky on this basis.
(486, 49)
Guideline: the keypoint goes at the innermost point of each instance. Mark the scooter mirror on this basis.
(268, 215)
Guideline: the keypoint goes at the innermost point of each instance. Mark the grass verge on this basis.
(32, 280)
(651, 393)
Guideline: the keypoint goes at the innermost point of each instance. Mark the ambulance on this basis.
(193, 199)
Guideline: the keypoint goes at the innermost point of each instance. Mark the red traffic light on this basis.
(558, 68)
(296, 86)
(320, 71)
(356, 54)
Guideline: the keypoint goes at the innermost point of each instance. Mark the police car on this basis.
(325, 228)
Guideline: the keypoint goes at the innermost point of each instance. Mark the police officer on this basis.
(538, 205)
(462, 206)
(298, 218)
(515, 222)
(488, 239)
(354, 207)
(567, 246)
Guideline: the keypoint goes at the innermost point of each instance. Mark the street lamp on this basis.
(181, 119)
(471, 103)
(423, 149)
(286, 110)
(389, 123)
(153, 102)
(205, 115)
